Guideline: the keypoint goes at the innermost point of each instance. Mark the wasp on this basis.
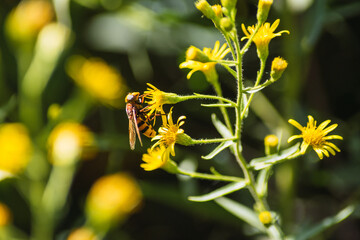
(139, 121)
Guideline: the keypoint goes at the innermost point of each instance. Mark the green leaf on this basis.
(217, 105)
(325, 224)
(220, 127)
(241, 211)
(254, 89)
(217, 150)
(227, 189)
(262, 181)
(243, 104)
(264, 162)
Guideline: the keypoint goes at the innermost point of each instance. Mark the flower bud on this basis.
(228, 4)
(278, 66)
(265, 217)
(226, 24)
(263, 10)
(204, 7)
(271, 142)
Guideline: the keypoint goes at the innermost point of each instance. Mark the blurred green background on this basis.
(146, 41)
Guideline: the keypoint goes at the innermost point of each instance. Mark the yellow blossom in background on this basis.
(263, 36)
(5, 215)
(82, 234)
(70, 141)
(315, 136)
(26, 20)
(100, 80)
(265, 217)
(15, 147)
(155, 158)
(112, 198)
(205, 60)
(169, 133)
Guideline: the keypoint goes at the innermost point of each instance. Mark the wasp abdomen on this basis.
(146, 128)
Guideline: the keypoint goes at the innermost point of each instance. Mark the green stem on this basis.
(248, 175)
(210, 176)
(214, 140)
(54, 198)
(239, 91)
(259, 76)
(223, 109)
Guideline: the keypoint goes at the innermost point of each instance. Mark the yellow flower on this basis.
(316, 137)
(100, 80)
(15, 147)
(263, 36)
(206, 59)
(157, 99)
(70, 141)
(82, 234)
(265, 217)
(170, 133)
(5, 215)
(28, 18)
(217, 10)
(112, 198)
(155, 158)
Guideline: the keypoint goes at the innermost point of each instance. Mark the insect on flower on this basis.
(138, 118)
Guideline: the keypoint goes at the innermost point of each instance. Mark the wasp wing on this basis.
(136, 127)
(132, 134)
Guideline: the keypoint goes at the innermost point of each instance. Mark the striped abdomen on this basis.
(145, 128)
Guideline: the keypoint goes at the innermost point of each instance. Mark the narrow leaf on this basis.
(254, 90)
(227, 189)
(262, 181)
(241, 211)
(264, 162)
(220, 127)
(325, 224)
(217, 105)
(217, 150)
